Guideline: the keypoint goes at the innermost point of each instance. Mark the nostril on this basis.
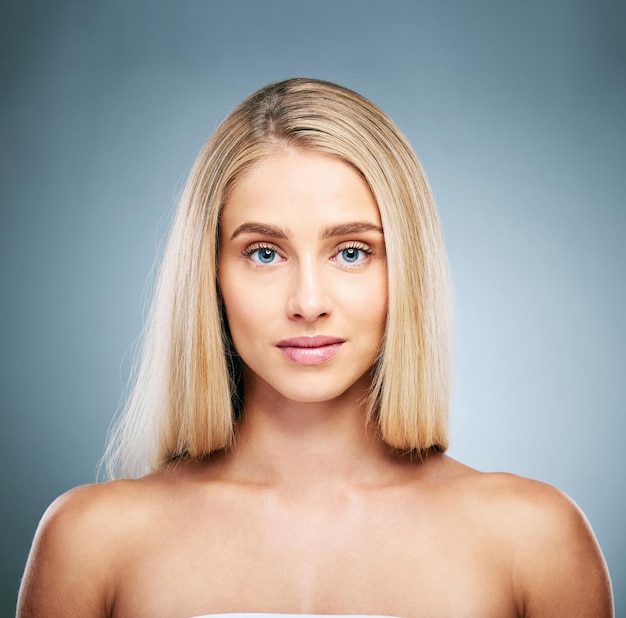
(310, 317)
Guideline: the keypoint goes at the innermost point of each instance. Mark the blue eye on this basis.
(354, 254)
(351, 254)
(263, 255)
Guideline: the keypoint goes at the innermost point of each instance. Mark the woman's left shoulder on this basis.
(525, 496)
(529, 506)
(511, 497)
(558, 567)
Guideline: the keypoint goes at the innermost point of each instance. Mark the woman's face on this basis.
(302, 272)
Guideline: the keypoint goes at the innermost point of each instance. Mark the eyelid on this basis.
(366, 249)
(355, 244)
(255, 246)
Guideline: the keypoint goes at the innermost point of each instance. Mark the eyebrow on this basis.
(354, 227)
(342, 229)
(260, 228)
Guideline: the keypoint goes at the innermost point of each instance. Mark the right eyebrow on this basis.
(260, 228)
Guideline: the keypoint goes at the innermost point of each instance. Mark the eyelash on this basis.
(248, 251)
(359, 246)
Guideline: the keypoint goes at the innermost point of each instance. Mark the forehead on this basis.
(294, 186)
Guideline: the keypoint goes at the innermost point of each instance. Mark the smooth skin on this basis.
(309, 511)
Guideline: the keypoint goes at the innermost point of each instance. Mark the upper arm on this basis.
(67, 572)
(560, 570)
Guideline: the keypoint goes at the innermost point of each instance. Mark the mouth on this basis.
(310, 350)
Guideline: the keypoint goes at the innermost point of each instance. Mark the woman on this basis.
(288, 422)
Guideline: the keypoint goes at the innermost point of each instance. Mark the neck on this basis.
(310, 444)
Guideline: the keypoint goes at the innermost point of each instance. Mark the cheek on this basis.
(233, 302)
(239, 312)
(379, 314)
(380, 320)
(248, 312)
(368, 303)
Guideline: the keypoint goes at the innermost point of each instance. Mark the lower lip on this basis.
(310, 356)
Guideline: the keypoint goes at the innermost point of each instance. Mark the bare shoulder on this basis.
(79, 542)
(557, 565)
(92, 537)
(561, 570)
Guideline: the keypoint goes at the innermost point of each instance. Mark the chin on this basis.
(308, 388)
(320, 394)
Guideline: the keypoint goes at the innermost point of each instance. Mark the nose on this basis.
(308, 298)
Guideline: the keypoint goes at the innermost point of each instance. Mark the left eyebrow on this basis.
(345, 229)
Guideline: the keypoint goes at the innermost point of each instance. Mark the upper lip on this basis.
(308, 342)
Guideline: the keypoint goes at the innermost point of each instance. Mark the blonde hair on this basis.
(186, 396)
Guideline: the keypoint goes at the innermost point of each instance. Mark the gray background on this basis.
(516, 110)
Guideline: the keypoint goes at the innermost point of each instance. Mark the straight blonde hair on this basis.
(187, 393)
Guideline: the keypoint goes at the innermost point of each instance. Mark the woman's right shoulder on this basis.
(81, 540)
(96, 511)
(108, 517)
(87, 508)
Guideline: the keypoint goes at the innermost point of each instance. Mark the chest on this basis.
(326, 561)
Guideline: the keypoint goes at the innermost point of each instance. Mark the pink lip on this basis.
(310, 350)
